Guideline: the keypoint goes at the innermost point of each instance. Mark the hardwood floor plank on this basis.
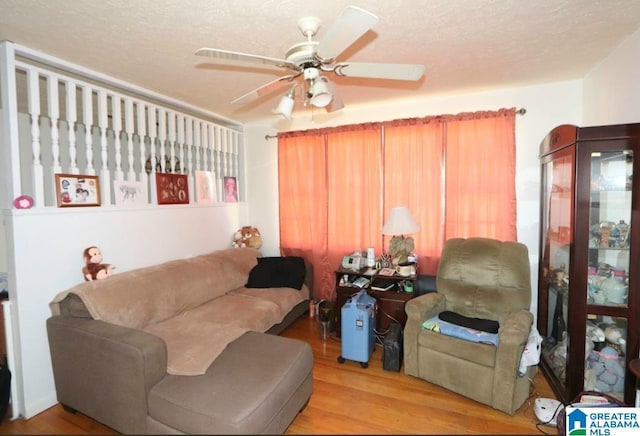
(349, 399)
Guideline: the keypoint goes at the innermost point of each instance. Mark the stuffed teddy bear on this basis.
(94, 269)
(247, 236)
(614, 339)
(608, 371)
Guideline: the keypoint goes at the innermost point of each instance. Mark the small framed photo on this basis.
(172, 188)
(73, 190)
(130, 192)
(230, 185)
(205, 188)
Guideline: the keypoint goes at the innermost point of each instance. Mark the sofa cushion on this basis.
(257, 382)
(285, 298)
(196, 338)
(277, 272)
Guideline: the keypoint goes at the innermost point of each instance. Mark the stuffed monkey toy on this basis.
(94, 269)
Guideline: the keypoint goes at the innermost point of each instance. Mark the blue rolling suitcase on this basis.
(358, 323)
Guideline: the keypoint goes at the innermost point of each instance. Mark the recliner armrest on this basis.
(513, 336)
(418, 310)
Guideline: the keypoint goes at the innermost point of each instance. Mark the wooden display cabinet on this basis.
(590, 201)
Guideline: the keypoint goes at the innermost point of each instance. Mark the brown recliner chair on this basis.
(477, 278)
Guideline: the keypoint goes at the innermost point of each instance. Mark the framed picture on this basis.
(230, 185)
(130, 193)
(73, 190)
(205, 189)
(172, 188)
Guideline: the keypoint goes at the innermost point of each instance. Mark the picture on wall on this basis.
(73, 190)
(230, 185)
(130, 193)
(172, 188)
(205, 189)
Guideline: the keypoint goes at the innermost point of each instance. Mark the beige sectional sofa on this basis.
(181, 347)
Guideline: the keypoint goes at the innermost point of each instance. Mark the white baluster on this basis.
(225, 152)
(162, 137)
(116, 119)
(87, 119)
(196, 144)
(72, 117)
(218, 152)
(188, 143)
(236, 153)
(204, 141)
(155, 162)
(33, 103)
(103, 123)
(128, 126)
(54, 115)
(172, 139)
(180, 140)
(144, 177)
(210, 140)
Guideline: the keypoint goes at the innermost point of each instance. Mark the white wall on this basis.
(48, 260)
(547, 106)
(612, 89)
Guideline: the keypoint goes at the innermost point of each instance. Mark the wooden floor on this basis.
(348, 399)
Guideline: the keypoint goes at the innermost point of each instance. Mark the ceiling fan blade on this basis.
(226, 55)
(265, 89)
(347, 29)
(336, 102)
(380, 71)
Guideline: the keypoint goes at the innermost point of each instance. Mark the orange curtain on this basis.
(456, 173)
(413, 176)
(302, 184)
(354, 192)
(480, 176)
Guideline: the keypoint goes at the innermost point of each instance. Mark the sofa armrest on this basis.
(418, 310)
(105, 371)
(512, 338)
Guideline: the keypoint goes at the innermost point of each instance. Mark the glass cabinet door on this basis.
(610, 231)
(557, 206)
(608, 270)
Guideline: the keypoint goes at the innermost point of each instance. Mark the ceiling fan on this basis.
(309, 59)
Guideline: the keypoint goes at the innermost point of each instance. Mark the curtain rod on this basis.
(520, 111)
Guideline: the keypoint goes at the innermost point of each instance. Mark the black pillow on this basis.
(277, 272)
(485, 325)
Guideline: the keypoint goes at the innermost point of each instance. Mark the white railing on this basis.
(69, 123)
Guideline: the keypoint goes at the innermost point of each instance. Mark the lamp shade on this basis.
(285, 106)
(400, 222)
(321, 95)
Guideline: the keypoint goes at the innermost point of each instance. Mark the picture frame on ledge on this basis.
(130, 192)
(172, 188)
(230, 189)
(205, 188)
(75, 190)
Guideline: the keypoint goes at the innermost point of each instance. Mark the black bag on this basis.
(5, 390)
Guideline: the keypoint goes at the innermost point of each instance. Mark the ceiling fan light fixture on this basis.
(321, 96)
(285, 107)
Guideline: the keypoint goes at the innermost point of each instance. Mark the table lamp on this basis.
(399, 223)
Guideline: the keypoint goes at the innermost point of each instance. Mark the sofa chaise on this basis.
(183, 347)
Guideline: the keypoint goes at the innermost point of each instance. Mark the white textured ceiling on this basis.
(465, 45)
